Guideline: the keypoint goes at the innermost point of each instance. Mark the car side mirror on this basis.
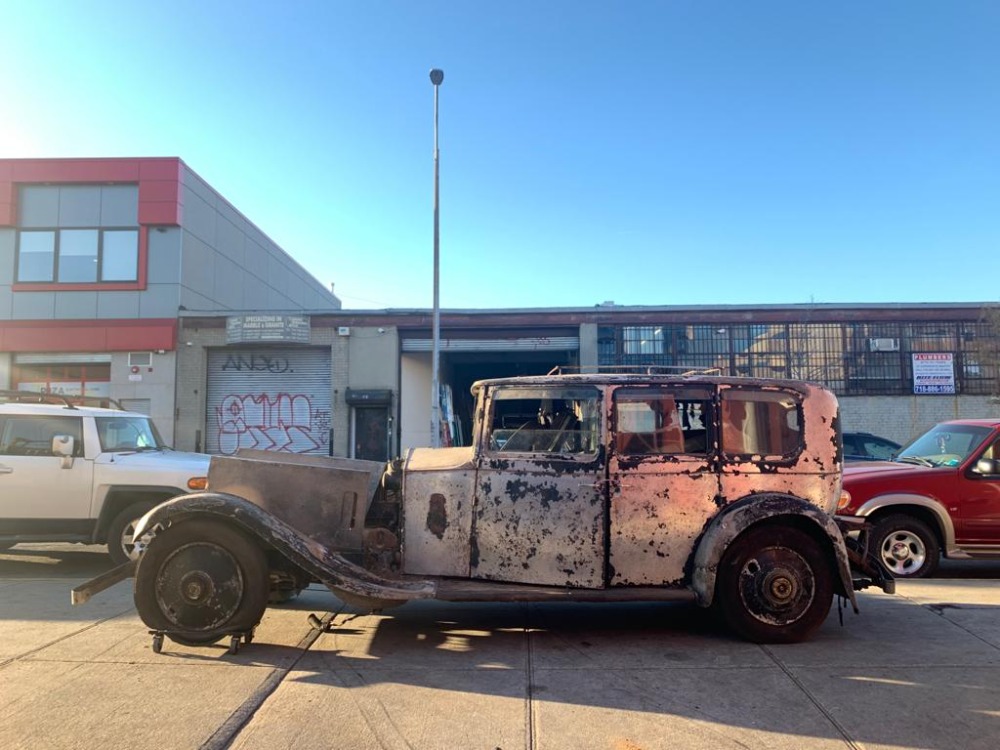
(987, 466)
(62, 446)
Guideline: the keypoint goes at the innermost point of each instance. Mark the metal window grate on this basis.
(851, 358)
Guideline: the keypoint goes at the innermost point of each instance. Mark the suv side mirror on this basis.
(62, 445)
(987, 466)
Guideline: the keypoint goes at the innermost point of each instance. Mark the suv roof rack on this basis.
(70, 402)
(636, 370)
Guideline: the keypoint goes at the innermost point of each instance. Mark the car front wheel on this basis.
(906, 546)
(201, 580)
(775, 585)
(121, 532)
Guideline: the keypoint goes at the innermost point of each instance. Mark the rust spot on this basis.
(437, 516)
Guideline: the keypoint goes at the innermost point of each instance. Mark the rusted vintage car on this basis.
(602, 488)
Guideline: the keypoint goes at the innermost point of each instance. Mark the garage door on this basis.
(270, 399)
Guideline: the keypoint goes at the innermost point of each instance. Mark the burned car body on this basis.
(710, 489)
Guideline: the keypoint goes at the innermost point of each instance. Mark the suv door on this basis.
(662, 484)
(540, 487)
(33, 482)
(978, 496)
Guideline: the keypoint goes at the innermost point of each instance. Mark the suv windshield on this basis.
(128, 434)
(944, 445)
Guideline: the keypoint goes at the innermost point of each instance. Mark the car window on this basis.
(760, 423)
(662, 421)
(127, 434)
(545, 420)
(31, 435)
(946, 444)
(879, 449)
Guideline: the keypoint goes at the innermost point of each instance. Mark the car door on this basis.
(541, 485)
(979, 507)
(35, 483)
(662, 483)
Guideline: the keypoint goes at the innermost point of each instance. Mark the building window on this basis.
(120, 254)
(643, 340)
(36, 256)
(77, 234)
(77, 255)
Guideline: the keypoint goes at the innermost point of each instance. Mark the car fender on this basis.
(110, 505)
(939, 512)
(320, 562)
(740, 516)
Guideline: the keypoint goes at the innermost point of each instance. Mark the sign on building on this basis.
(254, 329)
(933, 373)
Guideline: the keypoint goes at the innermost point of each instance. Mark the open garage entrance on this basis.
(462, 363)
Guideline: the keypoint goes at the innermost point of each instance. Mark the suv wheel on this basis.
(121, 533)
(775, 585)
(906, 546)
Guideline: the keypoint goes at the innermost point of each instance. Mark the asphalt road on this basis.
(920, 669)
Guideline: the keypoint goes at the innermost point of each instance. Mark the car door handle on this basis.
(6, 469)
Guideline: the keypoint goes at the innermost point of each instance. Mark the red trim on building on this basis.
(159, 180)
(88, 335)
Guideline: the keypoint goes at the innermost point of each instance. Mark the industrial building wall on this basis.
(227, 263)
(900, 418)
(199, 345)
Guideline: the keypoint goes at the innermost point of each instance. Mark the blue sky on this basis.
(649, 153)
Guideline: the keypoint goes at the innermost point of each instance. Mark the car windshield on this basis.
(944, 445)
(129, 433)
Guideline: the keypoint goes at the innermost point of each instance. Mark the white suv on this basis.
(74, 473)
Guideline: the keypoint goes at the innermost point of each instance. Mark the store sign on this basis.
(252, 329)
(933, 373)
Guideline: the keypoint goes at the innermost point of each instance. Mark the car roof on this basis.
(994, 422)
(64, 411)
(632, 379)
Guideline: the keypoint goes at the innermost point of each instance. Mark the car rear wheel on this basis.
(906, 546)
(199, 581)
(775, 585)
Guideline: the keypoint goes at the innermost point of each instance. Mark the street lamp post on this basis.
(437, 76)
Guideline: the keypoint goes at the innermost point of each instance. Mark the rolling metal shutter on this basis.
(275, 399)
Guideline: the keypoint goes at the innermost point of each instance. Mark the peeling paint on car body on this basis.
(583, 487)
(605, 518)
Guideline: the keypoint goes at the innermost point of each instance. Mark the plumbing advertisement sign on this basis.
(933, 373)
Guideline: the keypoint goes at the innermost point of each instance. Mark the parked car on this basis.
(940, 496)
(863, 446)
(76, 473)
(712, 490)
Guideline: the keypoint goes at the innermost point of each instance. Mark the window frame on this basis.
(686, 394)
(735, 457)
(77, 434)
(541, 393)
(54, 279)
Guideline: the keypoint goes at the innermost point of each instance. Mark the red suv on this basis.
(940, 495)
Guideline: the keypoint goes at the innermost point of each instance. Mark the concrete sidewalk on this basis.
(917, 670)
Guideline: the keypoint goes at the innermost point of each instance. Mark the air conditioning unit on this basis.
(343, 330)
(883, 345)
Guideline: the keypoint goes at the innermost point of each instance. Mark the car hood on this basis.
(883, 469)
(194, 463)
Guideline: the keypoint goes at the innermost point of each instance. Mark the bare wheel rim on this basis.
(777, 586)
(903, 552)
(200, 586)
(133, 547)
